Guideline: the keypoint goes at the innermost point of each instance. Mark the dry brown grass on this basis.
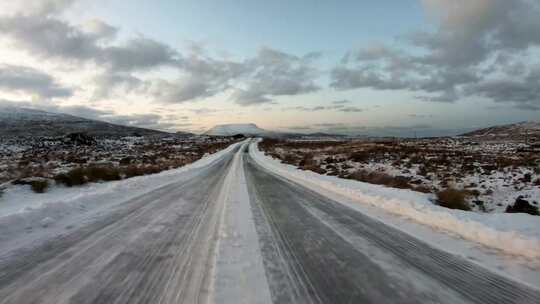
(74, 177)
(39, 186)
(102, 173)
(379, 178)
(453, 199)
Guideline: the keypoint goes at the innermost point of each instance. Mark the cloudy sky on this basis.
(369, 67)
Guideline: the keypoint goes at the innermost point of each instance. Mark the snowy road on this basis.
(236, 233)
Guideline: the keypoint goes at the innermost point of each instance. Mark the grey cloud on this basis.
(350, 110)
(306, 109)
(311, 56)
(249, 97)
(200, 65)
(179, 91)
(99, 29)
(49, 37)
(204, 111)
(108, 82)
(136, 120)
(420, 116)
(183, 89)
(470, 29)
(345, 78)
(525, 93)
(47, 7)
(57, 39)
(36, 7)
(480, 48)
(31, 81)
(183, 125)
(206, 76)
(138, 54)
(528, 107)
(445, 96)
(172, 116)
(339, 108)
(341, 102)
(201, 77)
(255, 80)
(150, 121)
(274, 73)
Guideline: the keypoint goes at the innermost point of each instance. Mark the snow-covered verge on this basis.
(22, 211)
(516, 234)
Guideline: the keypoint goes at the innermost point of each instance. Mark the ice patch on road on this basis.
(516, 234)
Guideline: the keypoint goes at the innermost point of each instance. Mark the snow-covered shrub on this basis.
(522, 206)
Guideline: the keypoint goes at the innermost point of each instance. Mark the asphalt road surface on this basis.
(170, 246)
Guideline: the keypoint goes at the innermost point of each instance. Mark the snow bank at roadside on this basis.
(517, 234)
(21, 209)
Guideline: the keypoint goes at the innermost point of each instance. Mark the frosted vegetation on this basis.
(457, 173)
(77, 159)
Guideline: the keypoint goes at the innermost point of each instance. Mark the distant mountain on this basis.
(233, 129)
(251, 129)
(519, 131)
(15, 121)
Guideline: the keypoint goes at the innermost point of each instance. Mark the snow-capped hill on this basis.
(13, 114)
(233, 129)
(517, 131)
(17, 121)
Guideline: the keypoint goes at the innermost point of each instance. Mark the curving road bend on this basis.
(237, 233)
